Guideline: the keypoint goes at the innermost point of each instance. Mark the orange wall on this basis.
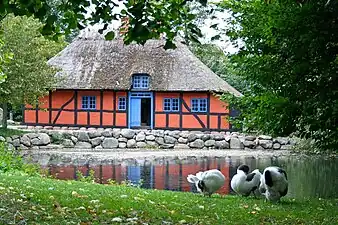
(189, 121)
(60, 97)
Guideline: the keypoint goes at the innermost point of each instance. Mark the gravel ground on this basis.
(82, 156)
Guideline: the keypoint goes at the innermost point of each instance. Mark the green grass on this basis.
(36, 200)
(10, 132)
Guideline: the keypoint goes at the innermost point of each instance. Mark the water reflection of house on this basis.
(168, 176)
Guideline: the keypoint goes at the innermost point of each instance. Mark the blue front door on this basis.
(135, 112)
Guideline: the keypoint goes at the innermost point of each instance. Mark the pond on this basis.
(308, 176)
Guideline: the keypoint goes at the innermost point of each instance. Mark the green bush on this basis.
(11, 161)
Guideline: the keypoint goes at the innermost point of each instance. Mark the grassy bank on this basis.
(36, 200)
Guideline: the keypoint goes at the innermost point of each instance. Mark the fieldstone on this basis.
(184, 134)
(128, 133)
(175, 133)
(158, 133)
(99, 147)
(74, 139)
(15, 137)
(122, 145)
(16, 142)
(140, 136)
(235, 143)
(122, 139)
(9, 140)
(131, 143)
(181, 146)
(210, 143)
(32, 135)
(287, 147)
(23, 147)
(10, 147)
(116, 132)
(249, 144)
(67, 143)
(182, 140)
(94, 134)
(107, 133)
(227, 138)
(159, 140)
(83, 144)
(110, 143)
(198, 143)
(150, 138)
(56, 137)
(42, 139)
(282, 140)
(276, 146)
(266, 144)
(218, 137)
(169, 140)
(250, 138)
(192, 137)
(67, 135)
(264, 137)
(205, 137)
(83, 136)
(141, 144)
(167, 146)
(2, 139)
(25, 140)
(152, 144)
(222, 144)
(258, 147)
(96, 141)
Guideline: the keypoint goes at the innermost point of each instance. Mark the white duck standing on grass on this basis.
(274, 183)
(245, 183)
(207, 182)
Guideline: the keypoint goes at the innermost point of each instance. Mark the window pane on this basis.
(194, 105)
(203, 105)
(88, 102)
(166, 104)
(122, 103)
(140, 81)
(174, 106)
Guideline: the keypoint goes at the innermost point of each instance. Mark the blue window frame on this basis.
(122, 104)
(141, 81)
(88, 102)
(199, 105)
(170, 104)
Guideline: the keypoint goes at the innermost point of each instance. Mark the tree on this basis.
(212, 56)
(148, 19)
(27, 75)
(290, 54)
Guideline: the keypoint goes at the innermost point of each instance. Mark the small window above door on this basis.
(141, 81)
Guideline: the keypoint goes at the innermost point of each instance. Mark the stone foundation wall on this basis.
(148, 139)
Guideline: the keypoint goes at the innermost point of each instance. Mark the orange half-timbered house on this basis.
(109, 84)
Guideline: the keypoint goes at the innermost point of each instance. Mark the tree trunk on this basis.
(4, 115)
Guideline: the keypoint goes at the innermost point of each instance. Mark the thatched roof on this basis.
(90, 62)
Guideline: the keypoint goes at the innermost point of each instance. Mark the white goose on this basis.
(243, 183)
(207, 182)
(274, 183)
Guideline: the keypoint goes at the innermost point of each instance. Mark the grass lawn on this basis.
(35, 200)
(10, 132)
